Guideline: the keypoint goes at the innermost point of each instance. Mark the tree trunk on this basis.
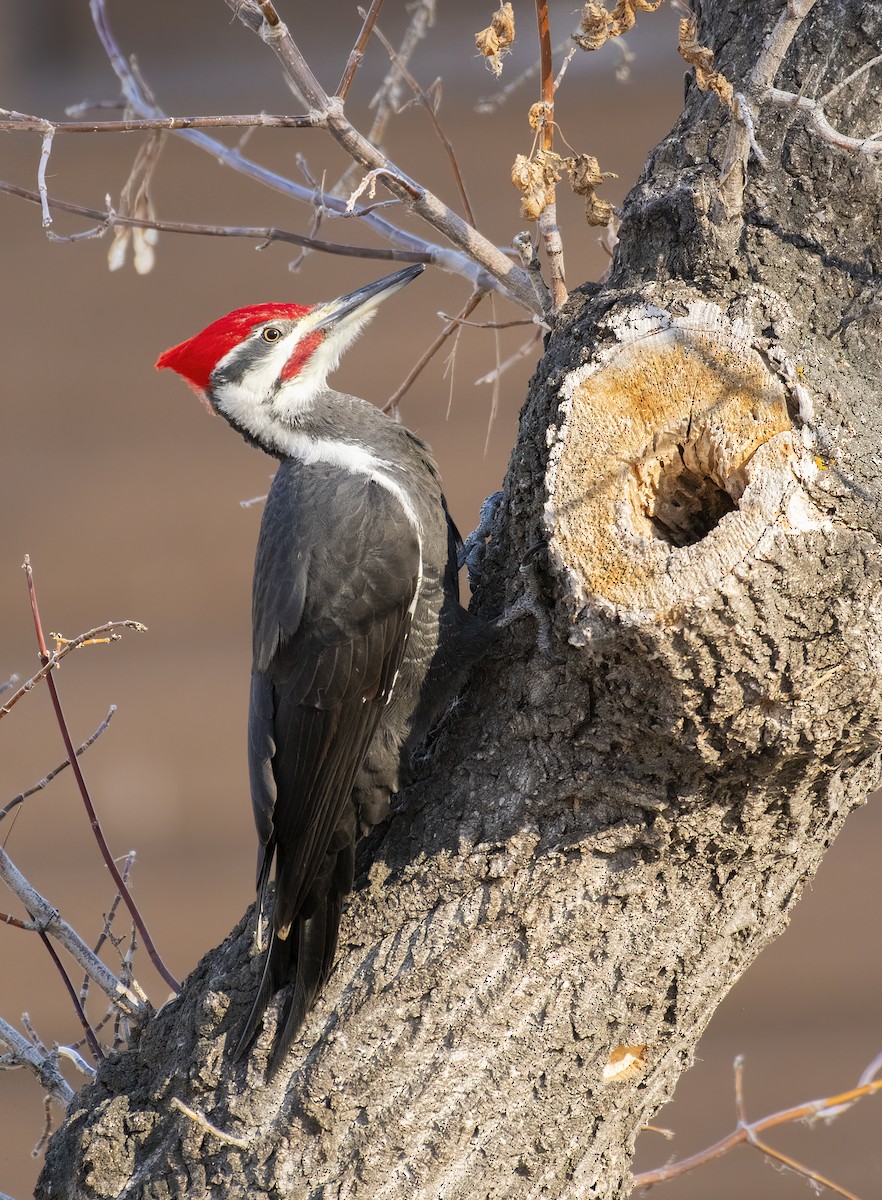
(601, 839)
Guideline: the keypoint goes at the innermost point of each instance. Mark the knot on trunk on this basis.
(675, 454)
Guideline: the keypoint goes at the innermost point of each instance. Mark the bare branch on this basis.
(733, 171)
(748, 1132)
(387, 101)
(416, 199)
(455, 261)
(16, 122)
(78, 1061)
(200, 1119)
(75, 1000)
(850, 79)
(45, 1068)
(522, 351)
(41, 175)
(48, 920)
(817, 121)
(485, 324)
(105, 934)
(369, 19)
(523, 244)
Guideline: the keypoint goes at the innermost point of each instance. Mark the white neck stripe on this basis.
(352, 458)
(360, 461)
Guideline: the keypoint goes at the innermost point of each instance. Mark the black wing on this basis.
(336, 574)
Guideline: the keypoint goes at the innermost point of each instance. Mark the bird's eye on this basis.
(271, 334)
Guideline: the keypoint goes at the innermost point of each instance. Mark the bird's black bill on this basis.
(376, 292)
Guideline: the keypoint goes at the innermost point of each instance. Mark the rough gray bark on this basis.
(599, 845)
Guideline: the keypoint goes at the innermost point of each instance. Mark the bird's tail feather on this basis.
(317, 945)
(302, 961)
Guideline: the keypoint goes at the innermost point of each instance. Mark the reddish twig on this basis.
(392, 403)
(94, 1045)
(747, 1133)
(357, 54)
(423, 99)
(548, 226)
(17, 922)
(84, 792)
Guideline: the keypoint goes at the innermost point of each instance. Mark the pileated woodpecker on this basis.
(359, 636)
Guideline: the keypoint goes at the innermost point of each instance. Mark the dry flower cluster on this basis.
(495, 41)
(598, 24)
(702, 59)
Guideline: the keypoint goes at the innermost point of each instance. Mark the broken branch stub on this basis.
(675, 455)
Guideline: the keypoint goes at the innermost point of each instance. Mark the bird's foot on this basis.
(474, 548)
(532, 603)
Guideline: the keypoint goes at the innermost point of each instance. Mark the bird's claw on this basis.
(471, 553)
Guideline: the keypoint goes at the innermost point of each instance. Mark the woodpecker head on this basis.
(262, 367)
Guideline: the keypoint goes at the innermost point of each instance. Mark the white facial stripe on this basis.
(244, 401)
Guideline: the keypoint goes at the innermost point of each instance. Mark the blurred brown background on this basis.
(126, 495)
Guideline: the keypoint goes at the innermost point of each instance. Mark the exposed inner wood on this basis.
(674, 457)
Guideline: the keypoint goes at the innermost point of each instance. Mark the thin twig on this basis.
(45, 151)
(522, 351)
(70, 1053)
(849, 79)
(17, 922)
(423, 99)
(494, 395)
(96, 635)
(357, 53)
(748, 1133)
(108, 922)
(486, 324)
(32, 1033)
(84, 792)
(47, 1127)
(459, 262)
(200, 1119)
(47, 779)
(489, 104)
(264, 234)
(733, 172)
(392, 403)
(818, 122)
